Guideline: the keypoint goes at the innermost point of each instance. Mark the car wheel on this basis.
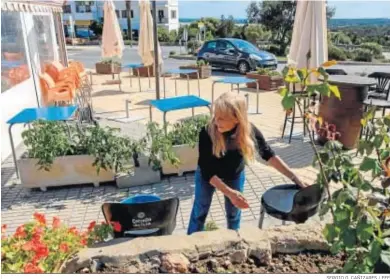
(243, 67)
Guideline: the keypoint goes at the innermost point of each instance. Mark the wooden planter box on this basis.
(188, 157)
(143, 71)
(144, 174)
(204, 71)
(104, 68)
(67, 170)
(265, 82)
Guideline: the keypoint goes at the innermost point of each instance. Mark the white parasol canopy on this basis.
(309, 35)
(146, 41)
(112, 41)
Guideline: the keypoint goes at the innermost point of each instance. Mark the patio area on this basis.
(79, 205)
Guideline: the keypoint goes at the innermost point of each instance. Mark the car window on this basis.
(245, 46)
(224, 45)
(211, 45)
(229, 46)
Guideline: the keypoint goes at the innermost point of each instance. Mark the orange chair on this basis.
(59, 73)
(80, 70)
(55, 92)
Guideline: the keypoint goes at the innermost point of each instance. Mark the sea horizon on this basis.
(334, 22)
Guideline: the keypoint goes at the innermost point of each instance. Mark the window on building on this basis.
(14, 67)
(117, 13)
(161, 13)
(67, 9)
(124, 14)
(173, 14)
(84, 6)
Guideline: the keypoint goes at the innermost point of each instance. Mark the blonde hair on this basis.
(232, 105)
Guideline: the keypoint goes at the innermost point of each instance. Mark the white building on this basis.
(83, 13)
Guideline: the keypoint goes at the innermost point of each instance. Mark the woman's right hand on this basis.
(238, 200)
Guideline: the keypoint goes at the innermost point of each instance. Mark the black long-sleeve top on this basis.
(229, 166)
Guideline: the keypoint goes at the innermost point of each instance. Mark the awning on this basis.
(51, 6)
(83, 22)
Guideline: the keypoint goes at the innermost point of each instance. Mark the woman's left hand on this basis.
(300, 182)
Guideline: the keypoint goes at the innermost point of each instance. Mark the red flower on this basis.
(83, 242)
(28, 246)
(37, 234)
(40, 218)
(91, 225)
(117, 226)
(31, 268)
(41, 251)
(20, 232)
(3, 228)
(64, 247)
(56, 223)
(73, 230)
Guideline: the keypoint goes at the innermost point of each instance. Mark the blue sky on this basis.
(344, 9)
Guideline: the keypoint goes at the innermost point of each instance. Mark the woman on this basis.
(225, 146)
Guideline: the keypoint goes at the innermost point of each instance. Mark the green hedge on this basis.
(336, 53)
(362, 54)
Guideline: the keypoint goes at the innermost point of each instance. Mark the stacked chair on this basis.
(68, 85)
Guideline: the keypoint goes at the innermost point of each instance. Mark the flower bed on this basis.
(37, 247)
(300, 263)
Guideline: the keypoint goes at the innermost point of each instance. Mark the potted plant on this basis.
(175, 152)
(266, 79)
(60, 154)
(359, 208)
(109, 66)
(145, 71)
(140, 172)
(203, 67)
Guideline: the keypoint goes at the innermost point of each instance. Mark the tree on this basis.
(340, 38)
(97, 27)
(211, 24)
(226, 27)
(256, 32)
(162, 34)
(278, 17)
(239, 32)
(209, 36)
(172, 36)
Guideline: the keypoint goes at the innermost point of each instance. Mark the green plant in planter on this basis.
(161, 143)
(113, 60)
(360, 208)
(160, 147)
(267, 72)
(110, 150)
(201, 63)
(47, 140)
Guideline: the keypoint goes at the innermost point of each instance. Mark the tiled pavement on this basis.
(78, 205)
